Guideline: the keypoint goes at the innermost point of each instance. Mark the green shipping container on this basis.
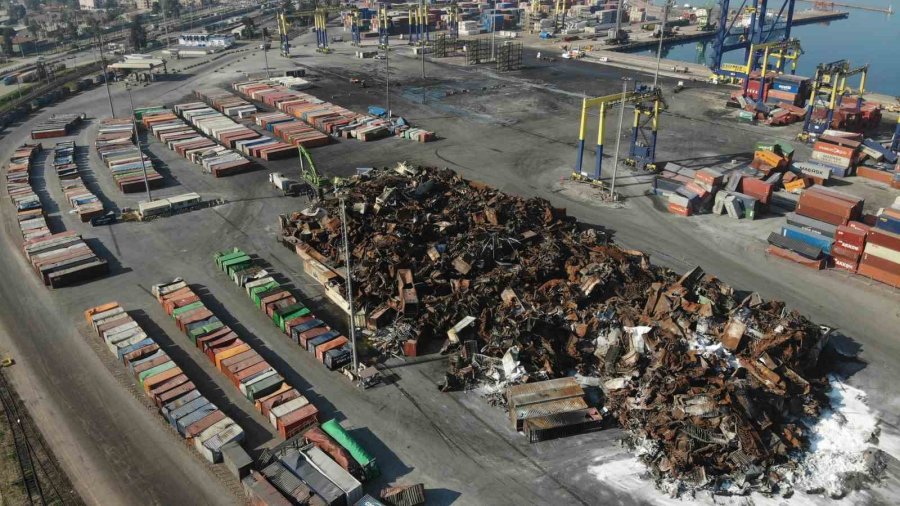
(260, 292)
(184, 309)
(141, 111)
(155, 370)
(281, 319)
(206, 329)
(264, 387)
(223, 256)
(359, 454)
(236, 264)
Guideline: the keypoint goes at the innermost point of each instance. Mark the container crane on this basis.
(758, 60)
(320, 20)
(829, 86)
(648, 102)
(758, 31)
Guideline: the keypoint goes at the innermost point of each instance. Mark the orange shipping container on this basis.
(230, 352)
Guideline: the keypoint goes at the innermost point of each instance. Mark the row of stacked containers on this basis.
(324, 116)
(176, 397)
(229, 133)
(57, 125)
(829, 228)
(85, 203)
(125, 161)
(281, 305)
(329, 469)
(181, 138)
(58, 259)
(326, 468)
(286, 409)
(29, 211)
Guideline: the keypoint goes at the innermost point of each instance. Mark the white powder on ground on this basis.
(838, 439)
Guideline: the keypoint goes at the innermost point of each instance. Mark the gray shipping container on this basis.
(322, 486)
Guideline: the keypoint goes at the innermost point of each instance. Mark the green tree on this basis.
(34, 28)
(7, 34)
(249, 30)
(15, 12)
(137, 35)
(33, 5)
(155, 8)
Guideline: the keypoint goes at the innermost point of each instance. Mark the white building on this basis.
(205, 40)
(90, 5)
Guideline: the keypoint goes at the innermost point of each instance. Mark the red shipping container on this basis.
(411, 348)
(834, 149)
(790, 255)
(845, 263)
(839, 251)
(870, 270)
(884, 238)
(757, 188)
(679, 210)
(858, 225)
(296, 420)
(852, 238)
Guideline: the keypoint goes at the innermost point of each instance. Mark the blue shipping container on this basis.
(811, 238)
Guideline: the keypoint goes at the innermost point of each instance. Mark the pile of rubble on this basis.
(711, 388)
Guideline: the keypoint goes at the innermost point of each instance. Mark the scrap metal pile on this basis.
(710, 388)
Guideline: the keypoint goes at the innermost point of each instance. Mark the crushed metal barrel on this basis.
(709, 386)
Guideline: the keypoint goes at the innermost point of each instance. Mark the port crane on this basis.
(761, 29)
(829, 86)
(320, 21)
(648, 102)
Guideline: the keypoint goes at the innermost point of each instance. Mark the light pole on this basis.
(349, 286)
(662, 34)
(424, 44)
(387, 75)
(137, 139)
(112, 110)
(612, 189)
(265, 51)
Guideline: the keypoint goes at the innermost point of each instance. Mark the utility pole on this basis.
(493, 32)
(165, 22)
(137, 139)
(349, 286)
(387, 76)
(423, 43)
(612, 189)
(662, 35)
(112, 110)
(265, 51)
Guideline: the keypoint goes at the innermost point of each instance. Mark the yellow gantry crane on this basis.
(559, 14)
(320, 22)
(828, 87)
(648, 102)
(781, 51)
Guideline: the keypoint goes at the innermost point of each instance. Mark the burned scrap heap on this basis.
(709, 387)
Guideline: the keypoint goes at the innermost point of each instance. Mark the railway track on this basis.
(42, 480)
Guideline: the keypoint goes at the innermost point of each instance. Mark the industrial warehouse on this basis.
(452, 253)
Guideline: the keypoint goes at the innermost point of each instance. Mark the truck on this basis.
(287, 186)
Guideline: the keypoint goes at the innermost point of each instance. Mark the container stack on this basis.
(190, 144)
(287, 410)
(233, 135)
(279, 304)
(29, 211)
(189, 413)
(879, 164)
(809, 235)
(292, 131)
(227, 103)
(63, 259)
(881, 257)
(58, 125)
(329, 467)
(85, 203)
(324, 116)
(125, 161)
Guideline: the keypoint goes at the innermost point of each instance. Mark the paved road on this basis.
(518, 136)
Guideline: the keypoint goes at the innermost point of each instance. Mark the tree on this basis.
(137, 34)
(7, 34)
(249, 30)
(34, 28)
(33, 5)
(16, 12)
(155, 8)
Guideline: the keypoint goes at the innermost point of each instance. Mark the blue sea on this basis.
(863, 37)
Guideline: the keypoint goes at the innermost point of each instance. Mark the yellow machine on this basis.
(648, 102)
(781, 52)
(320, 22)
(828, 87)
